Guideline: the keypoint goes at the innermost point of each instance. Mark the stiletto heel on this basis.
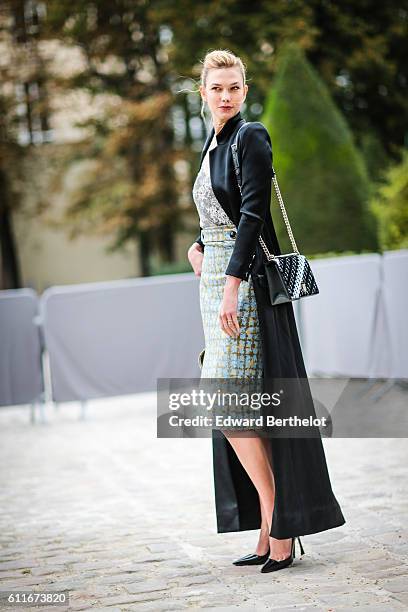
(272, 565)
(302, 552)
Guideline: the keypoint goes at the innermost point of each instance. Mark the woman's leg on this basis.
(263, 542)
(253, 453)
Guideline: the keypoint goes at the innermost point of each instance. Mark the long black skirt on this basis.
(304, 499)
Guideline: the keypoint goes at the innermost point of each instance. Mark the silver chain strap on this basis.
(269, 255)
(285, 217)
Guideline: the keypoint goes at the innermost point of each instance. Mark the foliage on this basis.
(390, 205)
(321, 174)
(132, 191)
(359, 50)
(178, 267)
(131, 58)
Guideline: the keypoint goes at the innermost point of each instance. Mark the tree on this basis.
(321, 173)
(23, 119)
(390, 205)
(132, 192)
(359, 50)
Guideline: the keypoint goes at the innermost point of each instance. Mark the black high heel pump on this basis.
(253, 559)
(272, 565)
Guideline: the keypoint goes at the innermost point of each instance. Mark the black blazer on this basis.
(251, 215)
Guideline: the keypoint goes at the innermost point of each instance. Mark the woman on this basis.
(282, 485)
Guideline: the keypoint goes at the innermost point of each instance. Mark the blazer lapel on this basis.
(223, 134)
(217, 162)
(206, 145)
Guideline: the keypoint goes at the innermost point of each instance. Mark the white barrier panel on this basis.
(21, 380)
(116, 338)
(338, 324)
(395, 291)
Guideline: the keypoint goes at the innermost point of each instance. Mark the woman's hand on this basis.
(195, 257)
(227, 316)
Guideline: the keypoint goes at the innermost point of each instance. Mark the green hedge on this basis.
(322, 175)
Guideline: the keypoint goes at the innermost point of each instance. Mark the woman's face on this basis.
(224, 93)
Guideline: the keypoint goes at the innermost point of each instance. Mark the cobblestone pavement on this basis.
(126, 521)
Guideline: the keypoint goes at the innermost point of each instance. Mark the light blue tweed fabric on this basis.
(227, 357)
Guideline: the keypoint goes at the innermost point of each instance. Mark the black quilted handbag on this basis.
(289, 276)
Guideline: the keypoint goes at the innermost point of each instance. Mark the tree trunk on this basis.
(166, 240)
(144, 253)
(10, 271)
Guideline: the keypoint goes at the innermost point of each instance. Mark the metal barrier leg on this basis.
(43, 420)
(82, 415)
(32, 413)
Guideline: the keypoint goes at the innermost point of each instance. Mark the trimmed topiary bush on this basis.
(322, 175)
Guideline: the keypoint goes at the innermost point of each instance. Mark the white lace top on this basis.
(209, 209)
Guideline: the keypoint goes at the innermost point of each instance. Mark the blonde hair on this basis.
(220, 58)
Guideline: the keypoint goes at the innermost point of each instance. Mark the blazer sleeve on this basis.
(256, 175)
(199, 241)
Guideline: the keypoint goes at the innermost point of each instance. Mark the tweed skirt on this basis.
(226, 357)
